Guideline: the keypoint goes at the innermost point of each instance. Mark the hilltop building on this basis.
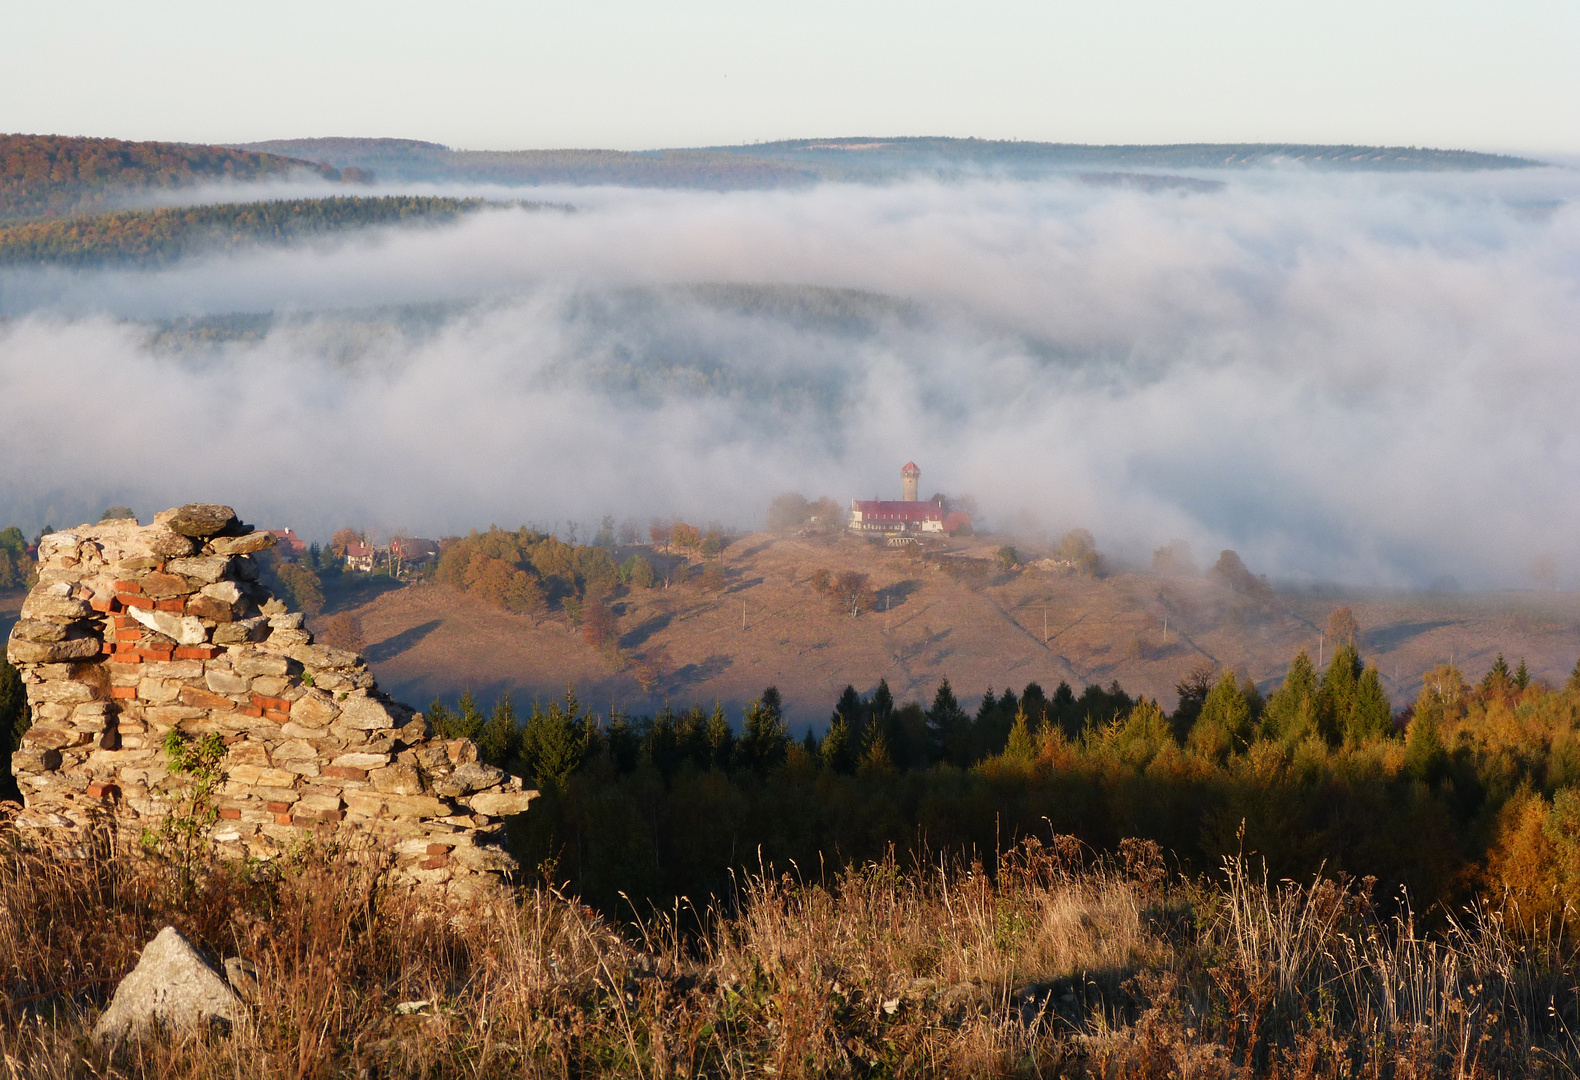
(905, 515)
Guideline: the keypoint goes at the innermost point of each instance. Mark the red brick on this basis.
(438, 849)
(170, 605)
(128, 634)
(278, 807)
(154, 655)
(199, 698)
(345, 772)
(126, 646)
(107, 647)
(123, 691)
(435, 863)
(123, 621)
(105, 606)
(128, 587)
(101, 791)
(126, 658)
(128, 600)
(282, 819)
(276, 715)
(197, 652)
(266, 703)
(250, 710)
(230, 814)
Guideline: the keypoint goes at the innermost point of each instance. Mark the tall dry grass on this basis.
(1062, 965)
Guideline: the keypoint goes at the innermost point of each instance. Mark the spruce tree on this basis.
(1336, 696)
(1371, 718)
(1292, 705)
(1226, 724)
(839, 749)
(1522, 675)
(721, 739)
(764, 737)
(1019, 746)
(949, 728)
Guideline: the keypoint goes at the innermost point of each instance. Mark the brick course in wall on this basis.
(133, 631)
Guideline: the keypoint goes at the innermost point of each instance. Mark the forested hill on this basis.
(163, 235)
(407, 159)
(802, 161)
(55, 175)
(856, 158)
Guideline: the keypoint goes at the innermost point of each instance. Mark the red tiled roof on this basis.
(884, 510)
(909, 466)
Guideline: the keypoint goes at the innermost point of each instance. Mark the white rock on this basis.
(171, 985)
(186, 629)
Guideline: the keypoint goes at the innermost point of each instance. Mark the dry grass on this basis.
(1062, 966)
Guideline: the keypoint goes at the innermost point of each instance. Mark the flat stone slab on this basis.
(172, 986)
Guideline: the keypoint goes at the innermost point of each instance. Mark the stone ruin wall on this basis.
(134, 631)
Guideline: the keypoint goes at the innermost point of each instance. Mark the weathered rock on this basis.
(171, 545)
(208, 568)
(163, 586)
(41, 632)
(367, 714)
(185, 629)
(38, 652)
(202, 519)
(49, 606)
(171, 986)
(468, 778)
(242, 545)
(501, 803)
(242, 631)
(206, 607)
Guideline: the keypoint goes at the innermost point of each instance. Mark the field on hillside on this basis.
(952, 615)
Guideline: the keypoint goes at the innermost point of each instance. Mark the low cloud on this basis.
(1367, 379)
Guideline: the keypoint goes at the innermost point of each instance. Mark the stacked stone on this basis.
(136, 631)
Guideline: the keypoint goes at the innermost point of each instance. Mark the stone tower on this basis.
(908, 477)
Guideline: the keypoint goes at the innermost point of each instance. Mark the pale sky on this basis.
(482, 74)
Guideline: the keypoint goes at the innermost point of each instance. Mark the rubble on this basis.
(133, 632)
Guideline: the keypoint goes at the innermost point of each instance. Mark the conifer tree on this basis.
(1522, 675)
(1292, 707)
(875, 757)
(1019, 746)
(496, 739)
(721, 739)
(764, 735)
(1336, 698)
(1226, 724)
(1371, 717)
(554, 741)
(949, 728)
(1498, 679)
(839, 748)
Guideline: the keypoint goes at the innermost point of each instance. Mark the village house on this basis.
(414, 550)
(287, 545)
(361, 557)
(908, 514)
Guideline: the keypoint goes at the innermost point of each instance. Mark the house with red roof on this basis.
(908, 514)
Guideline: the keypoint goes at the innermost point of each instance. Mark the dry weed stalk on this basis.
(1063, 964)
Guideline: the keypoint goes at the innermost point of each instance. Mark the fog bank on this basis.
(1364, 379)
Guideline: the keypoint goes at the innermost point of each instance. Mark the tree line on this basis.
(169, 233)
(1473, 790)
(50, 175)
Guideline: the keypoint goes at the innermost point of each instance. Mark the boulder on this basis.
(172, 986)
(242, 545)
(202, 519)
(184, 629)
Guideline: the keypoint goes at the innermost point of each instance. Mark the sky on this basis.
(485, 74)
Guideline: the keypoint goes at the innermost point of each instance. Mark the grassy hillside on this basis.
(152, 237)
(55, 175)
(959, 618)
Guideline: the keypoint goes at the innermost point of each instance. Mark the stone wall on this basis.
(136, 631)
